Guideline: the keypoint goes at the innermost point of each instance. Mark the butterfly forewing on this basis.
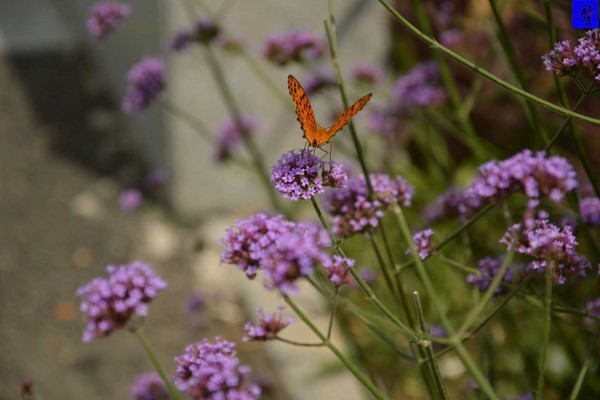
(304, 111)
(347, 115)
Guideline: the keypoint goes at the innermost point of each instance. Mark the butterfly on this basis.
(313, 133)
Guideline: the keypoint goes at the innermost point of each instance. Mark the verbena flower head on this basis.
(203, 31)
(229, 135)
(149, 386)
(299, 175)
(106, 16)
(130, 199)
(367, 73)
(423, 244)
(110, 303)
(268, 326)
(212, 371)
(565, 60)
(146, 82)
(293, 46)
(337, 269)
(534, 174)
(246, 243)
(294, 255)
(489, 268)
(549, 246)
(353, 211)
(589, 208)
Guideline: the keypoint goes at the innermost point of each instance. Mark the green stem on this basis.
(333, 312)
(233, 108)
(546, 335)
(513, 63)
(384, 270)
(584, 368)
(346, 361)
(173, 392)
(462, 352)
(190, 119)
(470, 136)
(565, 123)
(469, 64)
(299, 344)
(427, 346)
(409, 333)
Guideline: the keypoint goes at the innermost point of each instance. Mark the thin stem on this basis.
(546, 335)
(427, 346)
(469, 64)
(333, 312)
(233, 108)
(382, 266)
(294, 343)
(565, 123)
(173, 392)
(468, 362)
(346, 361)
(190, 119)
(584, 368)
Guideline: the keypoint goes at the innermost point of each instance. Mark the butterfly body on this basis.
(313, 133)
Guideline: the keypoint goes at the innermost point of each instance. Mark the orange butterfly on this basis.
(314, 134)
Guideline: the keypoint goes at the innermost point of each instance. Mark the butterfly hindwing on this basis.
(347, 115)
(304, 111)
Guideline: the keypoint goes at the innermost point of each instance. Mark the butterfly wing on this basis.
(304, 111)
(347, 116)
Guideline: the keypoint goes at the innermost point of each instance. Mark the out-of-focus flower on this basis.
(367, 73)
(489, 268)
(589, 208)
(549, 246)
(337, 270)
(106, 16)
(353, 211)
(293, 46)
(203, 31)
(423, 244)
(525, 396)
(448, 34)
(318, 81)
(110, 303)
(296, 175)
(593, 308)
(564, 60)
(130, 199)
(146, 82)
(229, 135)
(149, 386)
(268, 326)
(534, 174)
(157, 178)
(212, 371)
(419, 88)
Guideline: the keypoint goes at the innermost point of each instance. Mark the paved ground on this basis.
(60, 225)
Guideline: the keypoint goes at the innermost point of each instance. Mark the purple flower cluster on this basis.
(106, 16)
(353, 211)
(203, 31)
(423, 244)
(130, 199)
(489, 268)
(301, 175)
(418, 88)
(110, 303)
(449, 35)
(565, 60)
(229, 135)
(337, 269)
(593, 308)
(549, 246)
(589, 208)
(284, 250)
(318, 81)
(368, 73)
(212, 371)
(268, 326)
(149, 386)
(146, 81)
(293, 46)
(534, 174)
